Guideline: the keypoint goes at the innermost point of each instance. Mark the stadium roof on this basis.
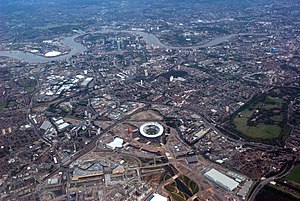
(221, 179)
(144, 127)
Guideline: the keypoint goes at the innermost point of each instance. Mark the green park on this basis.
(263, 118)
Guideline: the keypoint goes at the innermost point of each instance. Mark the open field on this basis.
(27, 84)
(30, 89)
(2, 105)
(294, 176)
(262, 119)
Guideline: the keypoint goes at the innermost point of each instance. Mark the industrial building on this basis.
(191, 159)
(221, 179)
(156, 197)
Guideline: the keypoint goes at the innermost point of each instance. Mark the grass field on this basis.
(2, 105)
(30, 89)
(29, 85)
(294, 176)
(261, 130)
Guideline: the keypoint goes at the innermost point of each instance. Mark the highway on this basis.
(251, 196)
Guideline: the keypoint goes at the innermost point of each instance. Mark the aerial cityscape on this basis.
(136, 100)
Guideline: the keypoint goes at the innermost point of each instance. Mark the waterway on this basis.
(33, 58)
(184, 185)
(77, 48)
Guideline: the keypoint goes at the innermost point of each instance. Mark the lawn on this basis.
(271, 102)
(30, 89)
(28, 84)
(261, 130)
(2, 105)
(294, 176)
(278, 118)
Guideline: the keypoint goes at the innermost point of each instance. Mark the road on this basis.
(263, 183)
(92, 144)
(214, 127)
(242, 142)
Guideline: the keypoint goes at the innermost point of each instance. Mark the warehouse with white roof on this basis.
(156, 197)
(221, 179)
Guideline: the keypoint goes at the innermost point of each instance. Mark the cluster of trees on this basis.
(263, 116)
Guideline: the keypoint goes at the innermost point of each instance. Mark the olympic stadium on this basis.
(151, 129)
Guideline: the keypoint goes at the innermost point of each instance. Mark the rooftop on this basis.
(118, 142)
(157, 197)
(221, 179)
